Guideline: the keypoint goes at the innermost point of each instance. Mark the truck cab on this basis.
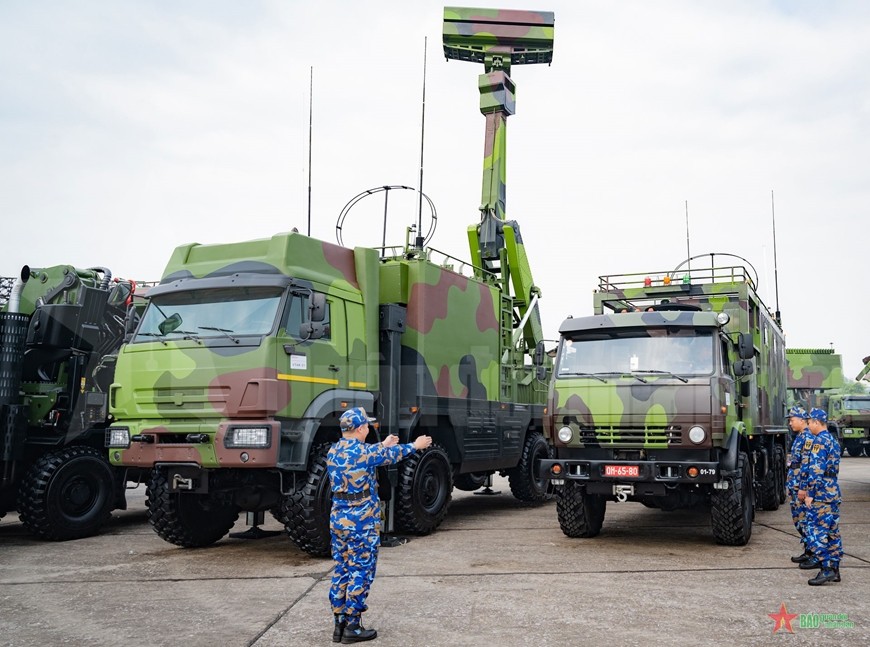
(672, 394)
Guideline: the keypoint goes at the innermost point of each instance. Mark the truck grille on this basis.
(634, 436)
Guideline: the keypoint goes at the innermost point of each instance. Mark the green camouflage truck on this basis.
(815, 375)
(230, 390)
(59, 330)
(854, 417)
(672, 394)
(849, 413)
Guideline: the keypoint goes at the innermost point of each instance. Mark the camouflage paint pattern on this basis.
(625, 413)
(498, 38)
(169, 388)
(814, 368)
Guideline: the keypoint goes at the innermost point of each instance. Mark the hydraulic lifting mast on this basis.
(498, 39)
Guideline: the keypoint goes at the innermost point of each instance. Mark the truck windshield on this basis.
(857, 403)
(627, 351)
(198, 314)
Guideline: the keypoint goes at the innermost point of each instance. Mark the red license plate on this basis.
(629, 471)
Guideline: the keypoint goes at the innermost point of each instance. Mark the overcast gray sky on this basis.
(127, 128)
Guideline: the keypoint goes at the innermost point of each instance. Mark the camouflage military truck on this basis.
(814, 376)
(853, 416)
(59, 329)
(672, 394)
(849, 415)
(231, 388)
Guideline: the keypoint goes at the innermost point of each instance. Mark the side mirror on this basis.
(745, 349)
(317, 307)
(743, 367)
(538, 358)
(541, 373)
(169, 324)
(311, 330)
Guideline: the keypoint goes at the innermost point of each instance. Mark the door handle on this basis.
(333, 368)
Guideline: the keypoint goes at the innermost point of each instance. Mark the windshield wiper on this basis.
(581, 374)
(637, 377)
(153, 334)
(187, 335)
(225, 331)
(679, 377)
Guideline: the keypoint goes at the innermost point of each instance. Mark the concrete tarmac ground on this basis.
(495, 573)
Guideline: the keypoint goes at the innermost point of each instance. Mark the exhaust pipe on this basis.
(15, 295)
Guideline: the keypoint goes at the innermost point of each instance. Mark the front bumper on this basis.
(665, 472)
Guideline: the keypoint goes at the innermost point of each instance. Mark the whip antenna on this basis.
(775, 269)
(419, 238)
(310, 113)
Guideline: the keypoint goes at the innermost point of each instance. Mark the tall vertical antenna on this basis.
(775, 269)
(310, 114)
(688, 249)
(419, 240)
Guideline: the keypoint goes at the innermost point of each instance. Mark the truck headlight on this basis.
(565, 434)
(697, 435)
(254, 437)
(118, 437)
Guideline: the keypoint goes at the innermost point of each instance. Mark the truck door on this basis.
(312, 365)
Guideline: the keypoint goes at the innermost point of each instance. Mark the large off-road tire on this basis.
(782, 470)
(580, 514)
(184, 518)
(424, 491)
(306, 511)
(732, 510)
(769, 487)
(471, 481)
(853, 447)
(525, 483)
(67, 494)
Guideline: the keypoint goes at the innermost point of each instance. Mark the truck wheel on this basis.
(768, 491)
(306, 512)
(471, 481)
(782, 470)
(67, 494)
(853, 447)
(525, 483)
(580, 514)
(732, 509)
(186, 519)
(424, 491)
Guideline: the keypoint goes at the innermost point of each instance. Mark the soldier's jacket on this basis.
(795, 456)
(352, 468)
(820, 466)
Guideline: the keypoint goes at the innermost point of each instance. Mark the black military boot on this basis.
(810, 564)
(803, 557)
(354, 632)
(340, 624)
(825, 575)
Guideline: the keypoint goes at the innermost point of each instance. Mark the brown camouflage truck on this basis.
(672, 395)
(230, 391)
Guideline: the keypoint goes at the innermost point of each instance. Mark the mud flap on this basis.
(728, 459)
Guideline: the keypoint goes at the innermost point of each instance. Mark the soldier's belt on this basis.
(351, 496)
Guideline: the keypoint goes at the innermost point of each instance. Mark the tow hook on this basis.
(181, 483)
(622, 492)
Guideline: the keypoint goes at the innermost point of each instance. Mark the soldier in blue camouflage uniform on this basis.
(820, 493)
(355, 520)
(797, 420)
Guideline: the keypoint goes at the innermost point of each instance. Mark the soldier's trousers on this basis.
(798, 515)
(356, 555)
(823, 532)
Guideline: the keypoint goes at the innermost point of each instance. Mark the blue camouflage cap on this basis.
(818, 414)
(353, 418)
(798, 412)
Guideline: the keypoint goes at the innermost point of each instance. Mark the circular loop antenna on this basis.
(674, 272)
(433, 215)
